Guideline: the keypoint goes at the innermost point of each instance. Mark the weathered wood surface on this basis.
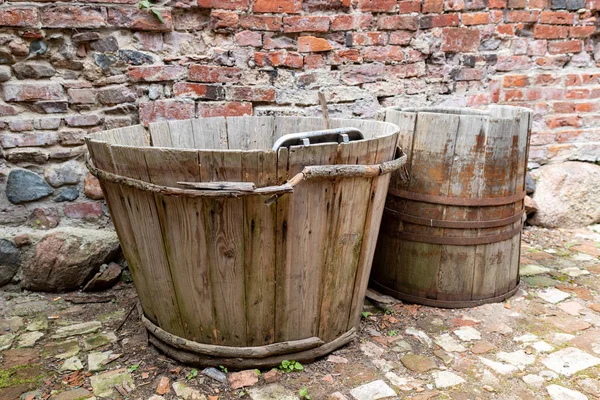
(454, 154)
(234, 276)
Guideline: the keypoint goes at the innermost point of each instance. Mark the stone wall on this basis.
(72, 68)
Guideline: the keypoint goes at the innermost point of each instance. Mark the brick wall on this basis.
(71, 68)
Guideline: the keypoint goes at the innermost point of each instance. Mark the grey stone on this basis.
(10, 325)
(574, 5)
(568, 195)
(62, 349)
(67, 194)
(38, 324)
(96, 360)
(75, 394)
(66, 257)
(448, 343)
(570, 361)
(557, 392)
(69, 172)
(51, 106)
(529, 184)
(553, 295)
(108, 44)
(38, 47)
(444, 379)
(6, 341)
(29, 339)
(99, 340)
(273, 391)
(34, 70)
(134, 57)
(559, 4)
(517, 358)
(467, 333)
(420, 335)
(10, 260)
(103, 384)
(23, 186)
(501, 368)
(532, 269)
(104, 61)
(373, 391)
(72, 364)
(5, 73)
(370, 349)
(574, 272)
(215, 374)
(77, 329)
(534, 380)
(104, 279)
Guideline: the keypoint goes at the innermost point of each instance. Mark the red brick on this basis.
(190, 19)
(165, 110)
(325, 5)
(19, 16)
(351, 22)
(7, 110)
(546, 79)
(277, 6)
(592, 4)
(409, 6)
(433, 6)
(470, 74)
(401, 37)
(478, 100)
(225, 4)
(537, 47)
(261, 22)
(307, 44)
(281, 58)
(480, 18)
(229, 109)
(512, 95)
(83, 119)
(439, 20)
(384, 53)
(569, 136)
(564, 107)
(377, 5)
(460, 40)
(454, 5)
(206, 73)
(517, 3)
(157, 73)
(224, 21)
(496, 16)
(88, 210)
(306, 24)
(314, 61)
(516, 80)
(398, 22)
(82, 96)
(522, 16)
(577, 94)
(73, 17)
(198, 90)
(279, 42)
(587, 107)
(552, 62)
(570, 46)
(133, 18)
(581, 31)
(507, 29)
(369, 38)
(250, 93)
(498, 4)
(557, 17)
(559, 121)
(248, 38)
(538, 4)
(345, 56)
(403, 71)
(32, 91)
(550, 32)
(512, 63)
(588, 79)
(533, 94)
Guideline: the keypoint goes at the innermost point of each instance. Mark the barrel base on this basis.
(442, 303)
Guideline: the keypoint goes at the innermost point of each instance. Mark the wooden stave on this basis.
(389, 141)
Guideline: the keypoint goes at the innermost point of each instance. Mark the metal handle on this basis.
(337, 135)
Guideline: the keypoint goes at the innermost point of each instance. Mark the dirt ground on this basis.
(542, 343)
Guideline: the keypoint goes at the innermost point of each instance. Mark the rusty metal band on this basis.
(457, 201)
(438, 223)
(442, 303)
(456, 241)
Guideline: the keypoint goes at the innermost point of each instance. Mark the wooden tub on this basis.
(241, 276)
(451, 234)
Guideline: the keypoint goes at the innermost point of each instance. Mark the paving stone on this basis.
(490, 379)
(373, 391)
(62, 350)
(574, 272)
(186, 392)
(557, 392)
(552, 295)
(242, 379)
(444, 379)
(448, 343)
(482, 347)
(559, 338)
(590, 386)
(18, 357)
(75, 394)
(273, 391)
(582, 257)
(38, 324)
(418, 363)
(402, 346)
(103, 384)
(96, 359)
(370, 349)
(404, 383)
(337, 359)
(542, 347)
(501, 368)
(595, 307)
(72, 364)
(29, 339)
(6, 341)
(517, 358)
(337, 396)
(444, 356)
(420, 335)
(10, 325)
(77, 329)
(548, 375)
(570, 361)
(568, 324)
(467, 333)
(383, 365)
(164, 385)
(99, 340)
(540, 281)
(532, 269)
(156, 397)
(500, 327)
(588, 341)
(571, 307)
(534, 380)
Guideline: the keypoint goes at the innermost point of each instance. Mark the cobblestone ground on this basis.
(542, 343)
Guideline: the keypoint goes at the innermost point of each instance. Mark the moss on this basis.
(19, 375)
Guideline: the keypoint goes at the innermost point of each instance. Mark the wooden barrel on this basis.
(451, 233)
(237, 274)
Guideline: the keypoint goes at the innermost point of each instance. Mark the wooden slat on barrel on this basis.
(210, 133)
(250, 133)
(281, 234)
(182, 134)
(182, 222)
(160, 134)
(259, 167)
(224, 240)
(102, 156)
(147, 230)
(458, 262)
